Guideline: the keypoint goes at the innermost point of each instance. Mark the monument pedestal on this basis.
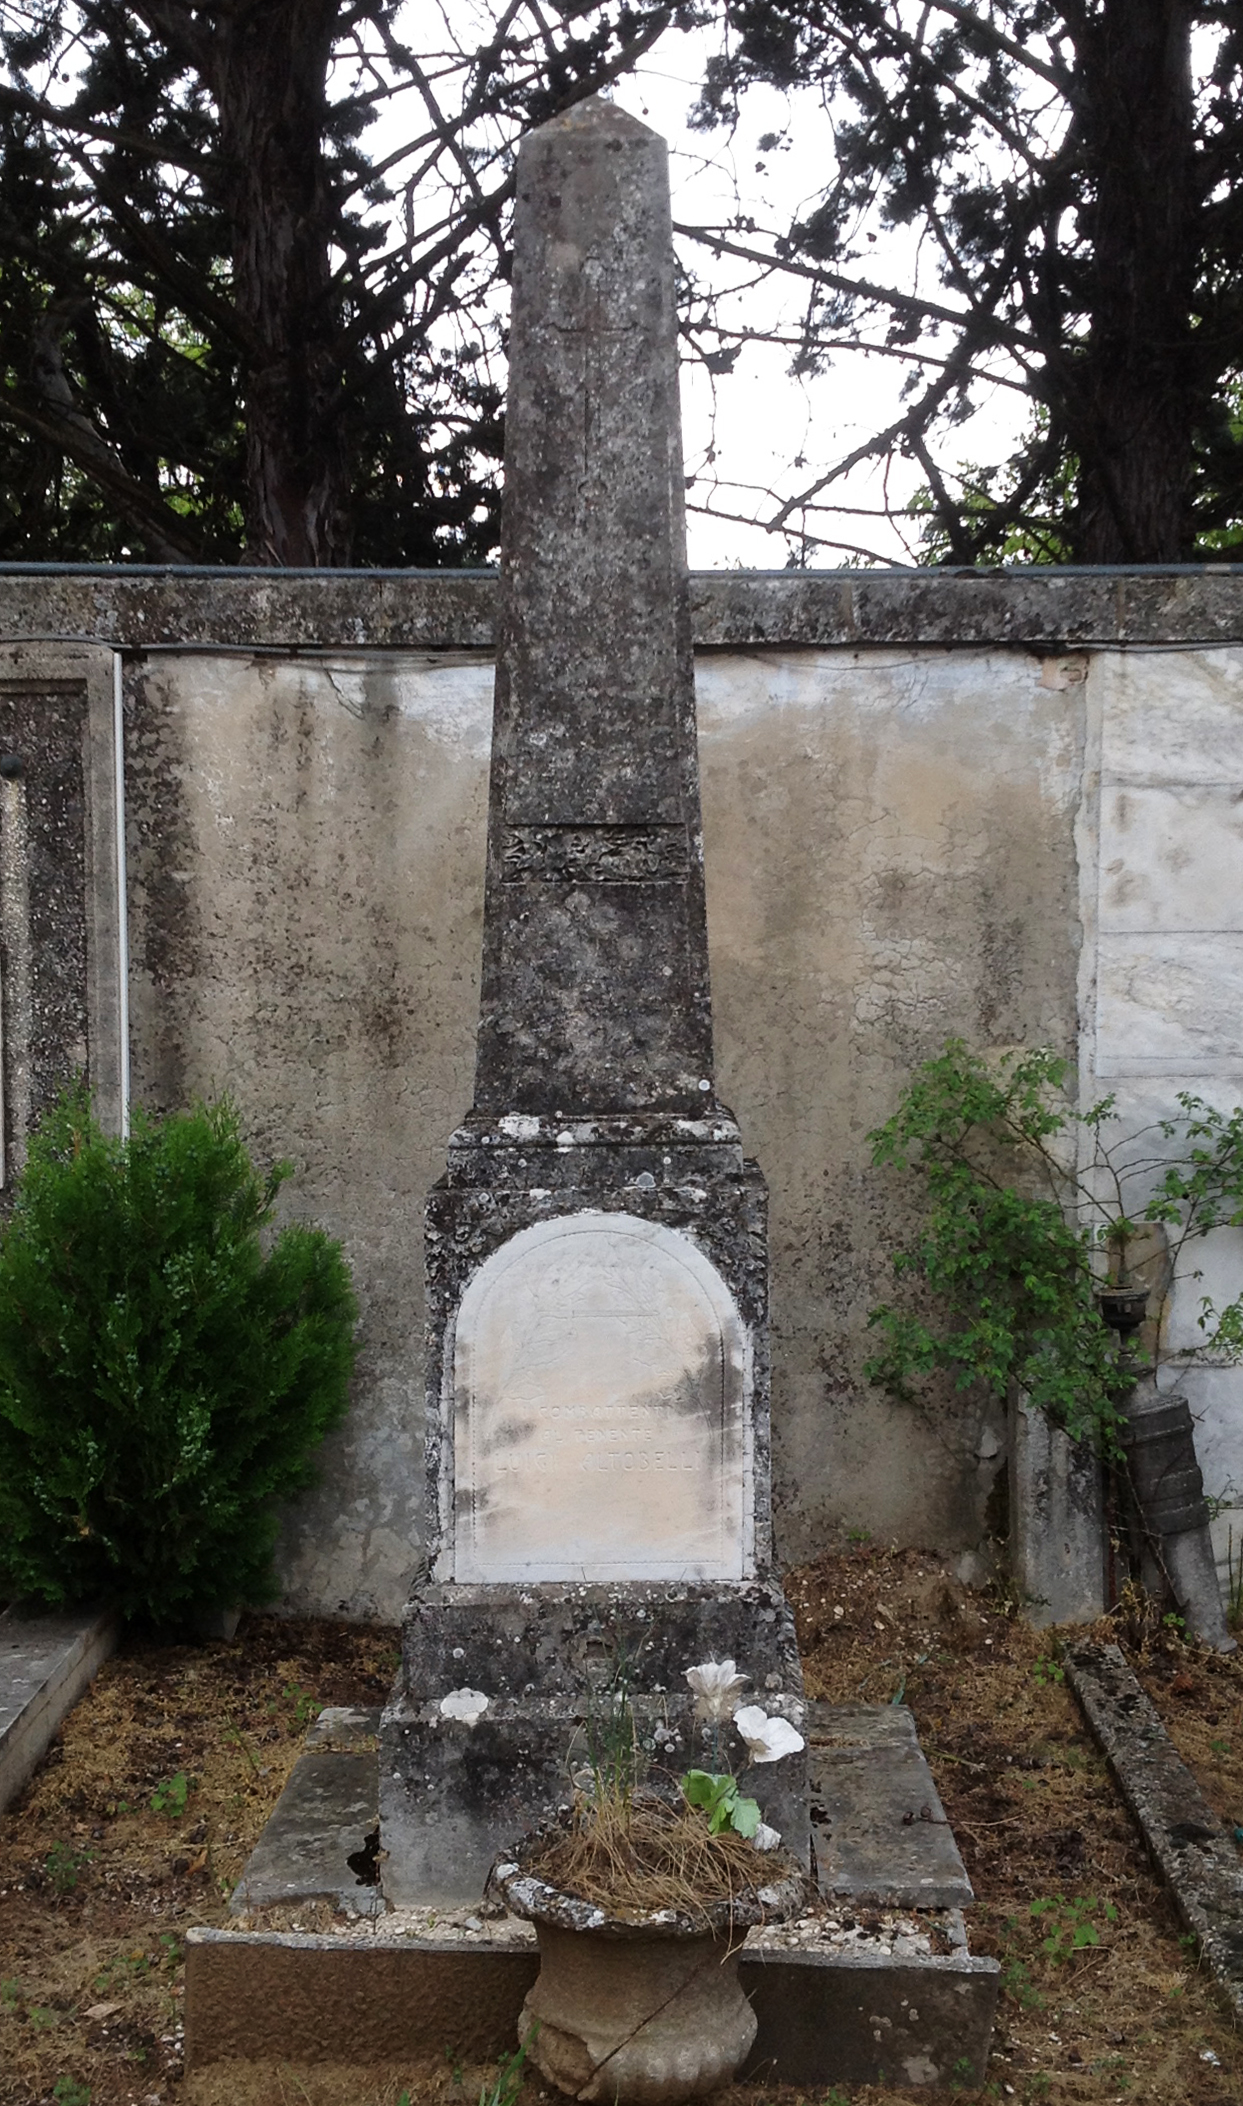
(599, 1469)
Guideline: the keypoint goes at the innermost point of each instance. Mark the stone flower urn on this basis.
(641, 2012)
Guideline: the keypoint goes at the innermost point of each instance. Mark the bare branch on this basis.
(1001, 332)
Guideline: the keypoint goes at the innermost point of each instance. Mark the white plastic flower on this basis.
(717, 1686)
(767, 1739)
(468, 1704)
(766, 1838)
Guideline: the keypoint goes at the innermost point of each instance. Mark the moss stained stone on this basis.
(597, 1251)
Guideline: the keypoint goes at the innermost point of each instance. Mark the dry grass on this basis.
(634, 1853)
(97, 1888)
(1046, 1840)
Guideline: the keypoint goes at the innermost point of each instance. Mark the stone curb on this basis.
(304, 1997)
(46, 1662)
(1189, 1844)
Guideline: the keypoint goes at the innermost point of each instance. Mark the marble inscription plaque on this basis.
(600, 1387)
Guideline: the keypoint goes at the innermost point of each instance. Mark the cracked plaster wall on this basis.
(890, 857)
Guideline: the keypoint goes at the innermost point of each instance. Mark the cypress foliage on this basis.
(166, 1370)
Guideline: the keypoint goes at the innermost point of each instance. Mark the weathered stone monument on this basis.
(597, 1249)
(597, 1281)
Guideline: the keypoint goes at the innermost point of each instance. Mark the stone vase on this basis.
(641, 2013)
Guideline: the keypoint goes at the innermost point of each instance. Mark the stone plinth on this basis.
(453, 1790)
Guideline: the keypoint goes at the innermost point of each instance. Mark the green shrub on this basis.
(165, 1369)
(1029, 1205)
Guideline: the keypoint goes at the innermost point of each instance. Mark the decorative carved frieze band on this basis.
(595, 855)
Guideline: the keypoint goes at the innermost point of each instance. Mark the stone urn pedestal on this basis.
(644, 2012)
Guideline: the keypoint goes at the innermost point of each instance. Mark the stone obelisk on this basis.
(597, 1250)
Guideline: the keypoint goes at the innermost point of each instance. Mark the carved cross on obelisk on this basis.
(596, 1259)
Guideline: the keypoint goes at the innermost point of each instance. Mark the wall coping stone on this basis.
(226, 608)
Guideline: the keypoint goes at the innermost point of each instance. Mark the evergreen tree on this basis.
(1076, 169)
(213, 341)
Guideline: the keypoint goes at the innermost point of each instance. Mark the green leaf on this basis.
(716, 1795)
(745, 1816)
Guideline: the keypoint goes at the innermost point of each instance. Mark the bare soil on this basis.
(140, 1819)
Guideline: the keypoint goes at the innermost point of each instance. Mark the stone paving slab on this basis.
(878, 1826)
(880, 1831)
(1193, 1850)
(46, 1661)
(321, 1821)
(328, 1812)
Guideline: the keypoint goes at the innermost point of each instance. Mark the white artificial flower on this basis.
(468, 1704)
(717, 1686)
(767, 1739)
(766, 1838)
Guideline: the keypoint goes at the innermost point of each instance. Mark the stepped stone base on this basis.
(859, 2017)
(874, 1986)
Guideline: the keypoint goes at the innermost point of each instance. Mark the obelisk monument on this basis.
(596, 1253)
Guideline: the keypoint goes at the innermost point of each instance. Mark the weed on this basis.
(507, 2083)
(170, 1796)
(63, 1864)
(305, 1706)
(1070, 1925)
(1017, 1982)
(68, 2092)
(234, 1732)
(1220, 1747)
(10, 1993)
(859, 1535)
(1048, 1669)
(41, 2017)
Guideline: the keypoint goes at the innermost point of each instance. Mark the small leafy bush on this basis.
(166, 1369)
(171, 1794)
(1026, 1199)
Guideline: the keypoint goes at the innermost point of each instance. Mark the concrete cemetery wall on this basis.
(1161, 973)
(902, 814)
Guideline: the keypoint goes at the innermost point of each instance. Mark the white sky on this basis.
(760, 419)
(760, 428)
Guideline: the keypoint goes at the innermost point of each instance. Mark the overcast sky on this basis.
(759, 429)
(761, 419)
